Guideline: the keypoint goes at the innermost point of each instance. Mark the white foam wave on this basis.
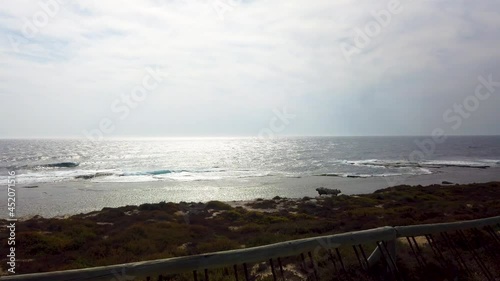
(480, 163)
(421, 171)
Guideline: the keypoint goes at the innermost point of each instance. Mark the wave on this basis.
(153, 173)
(476, 164)
(115, 174)
(368, 168)
(483, 164)
(165, 172)
(355, 175)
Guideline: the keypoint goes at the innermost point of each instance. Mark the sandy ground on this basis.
(61, 199)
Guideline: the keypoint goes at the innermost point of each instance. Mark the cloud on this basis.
(262, 55)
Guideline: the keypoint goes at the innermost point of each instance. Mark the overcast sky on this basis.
(225, 68)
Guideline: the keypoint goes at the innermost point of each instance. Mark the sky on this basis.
(248, 68)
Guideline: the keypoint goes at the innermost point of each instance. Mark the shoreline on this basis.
(66, 199)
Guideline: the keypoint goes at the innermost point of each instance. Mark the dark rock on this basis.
(62, 165)
(91, 176)
(323, 190)
(85, 177)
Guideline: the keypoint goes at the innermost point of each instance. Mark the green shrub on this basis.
(219, 244)
(231, 215)
(217, 205)
(250, 228)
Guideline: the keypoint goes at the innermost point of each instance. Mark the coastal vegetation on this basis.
(162, 230)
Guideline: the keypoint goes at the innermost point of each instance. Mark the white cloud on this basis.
(264, 54)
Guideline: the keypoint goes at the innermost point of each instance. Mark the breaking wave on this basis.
(154, 172)
(477, 164)
(421, 171)
(367, 168)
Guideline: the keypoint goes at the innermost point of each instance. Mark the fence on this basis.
(459, 248)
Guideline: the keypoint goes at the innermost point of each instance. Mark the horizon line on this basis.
(228, 136)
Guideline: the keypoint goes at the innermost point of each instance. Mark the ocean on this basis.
(191, 165)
